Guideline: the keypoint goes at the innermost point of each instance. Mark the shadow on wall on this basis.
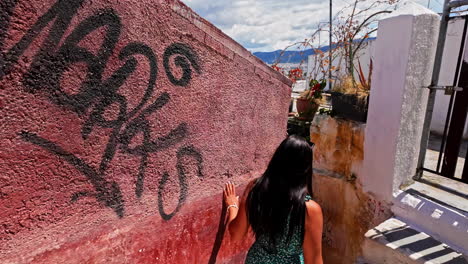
(219, 234)
(97, 95)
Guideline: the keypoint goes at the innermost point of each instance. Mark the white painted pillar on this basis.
(404, 56)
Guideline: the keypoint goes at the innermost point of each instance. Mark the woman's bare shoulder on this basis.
(251, 183)
(254, 180)
(249, 187)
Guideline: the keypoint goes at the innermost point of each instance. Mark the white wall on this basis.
(289, 66)
(297, 87)
(365, 54)
(404, 55)
(449, 63)
(447, 74)
(404, 58)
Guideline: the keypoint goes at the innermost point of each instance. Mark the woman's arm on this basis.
(238, 224)
(312, 245)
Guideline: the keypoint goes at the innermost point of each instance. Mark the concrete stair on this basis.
(394, 241)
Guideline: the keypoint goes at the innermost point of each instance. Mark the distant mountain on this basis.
(290, 56)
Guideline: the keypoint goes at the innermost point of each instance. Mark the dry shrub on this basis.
(348, 86)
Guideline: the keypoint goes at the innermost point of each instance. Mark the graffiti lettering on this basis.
(185, 58)
(181, 153)
(96, 95)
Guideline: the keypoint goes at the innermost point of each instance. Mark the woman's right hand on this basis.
(229, 193)
(237, 222)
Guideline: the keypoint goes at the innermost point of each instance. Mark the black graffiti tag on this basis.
(96, 95)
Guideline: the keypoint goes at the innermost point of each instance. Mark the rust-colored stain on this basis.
(339, 144)
(348, 211)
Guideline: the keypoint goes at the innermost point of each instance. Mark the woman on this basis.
(278, 207)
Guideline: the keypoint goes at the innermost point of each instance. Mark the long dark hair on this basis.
(278, 195)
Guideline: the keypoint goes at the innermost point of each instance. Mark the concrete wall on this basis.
(359, 167)
(405, 51)
(120, 123)
(337, 184)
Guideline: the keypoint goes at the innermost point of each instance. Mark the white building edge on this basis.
(447, 75)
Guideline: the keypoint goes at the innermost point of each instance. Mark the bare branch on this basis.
(362, 40)
(367, 19)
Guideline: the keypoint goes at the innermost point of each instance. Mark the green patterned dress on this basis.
(287, 253)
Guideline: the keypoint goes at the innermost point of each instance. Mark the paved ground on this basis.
(404, 240)
(432, 155)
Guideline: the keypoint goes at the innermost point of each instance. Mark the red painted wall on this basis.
(120, 122)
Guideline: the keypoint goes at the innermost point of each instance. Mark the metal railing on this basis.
(449, 90)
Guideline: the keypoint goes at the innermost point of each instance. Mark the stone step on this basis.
(394, 241)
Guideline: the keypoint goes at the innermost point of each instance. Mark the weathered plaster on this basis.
(348, 211)
(120, 123)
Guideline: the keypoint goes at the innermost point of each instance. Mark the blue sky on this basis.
(267, 25)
